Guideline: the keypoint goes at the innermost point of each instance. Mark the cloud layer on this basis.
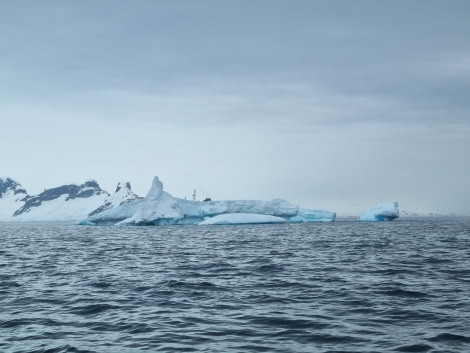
(336, 105)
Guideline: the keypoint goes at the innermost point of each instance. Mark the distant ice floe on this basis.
(385, 211)
(160, 208)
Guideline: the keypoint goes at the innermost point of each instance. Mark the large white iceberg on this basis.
(160, 208)
(385, 211)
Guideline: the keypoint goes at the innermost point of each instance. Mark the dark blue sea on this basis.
(401, 286)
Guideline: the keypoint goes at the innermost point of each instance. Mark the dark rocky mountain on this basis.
(10, 186)
(62, 203)
(12, 197)
(70, 192)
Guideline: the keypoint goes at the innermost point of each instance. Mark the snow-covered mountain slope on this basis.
(121, 196)
(12, 197)
(63, 203)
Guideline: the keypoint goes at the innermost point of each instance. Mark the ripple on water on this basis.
(343, 287)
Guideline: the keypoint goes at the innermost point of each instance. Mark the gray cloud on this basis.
(332, 104)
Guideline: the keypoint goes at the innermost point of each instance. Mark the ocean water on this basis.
(401, 286)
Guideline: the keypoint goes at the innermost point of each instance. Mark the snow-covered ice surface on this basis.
(306, 215)
(385, 211)
(242, 218)
(160, 208)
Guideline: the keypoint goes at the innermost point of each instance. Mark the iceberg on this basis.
(306, 215)
(161, 208)
(242, 218)
(385, 211)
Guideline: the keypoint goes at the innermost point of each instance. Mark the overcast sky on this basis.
(336, 105)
